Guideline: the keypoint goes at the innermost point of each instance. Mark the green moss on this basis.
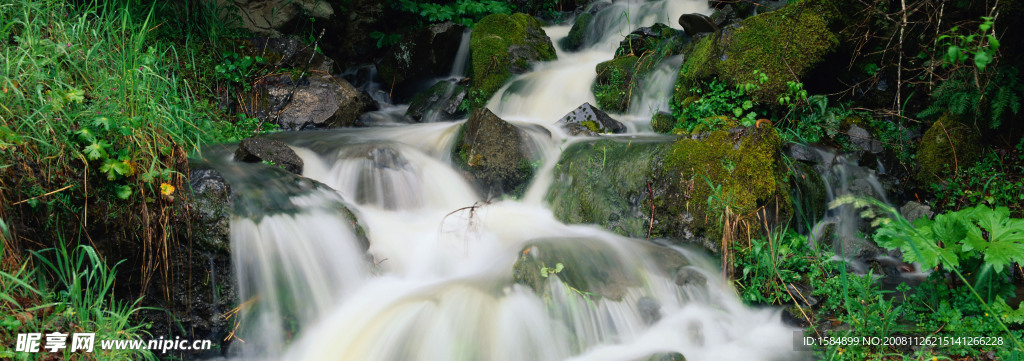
(781, 44)
(606, 182)
(743, 173)
(492, 59)
(577, 35)
(947, 147)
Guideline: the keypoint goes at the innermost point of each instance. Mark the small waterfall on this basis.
(557, 87)
(444, 274)
(462, 56)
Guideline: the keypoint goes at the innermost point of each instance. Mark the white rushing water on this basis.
(437, 282)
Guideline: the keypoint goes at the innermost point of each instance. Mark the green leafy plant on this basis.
(238, 69)
(716, 99)
(981, 46)
(465, 12)
(385, 40)
(547, 271)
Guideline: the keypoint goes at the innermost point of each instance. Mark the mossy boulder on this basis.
(501, 46)
(947, 146)
(493, 154)
(686, 183)
(785, 45)
(577, 38)
(638, 54)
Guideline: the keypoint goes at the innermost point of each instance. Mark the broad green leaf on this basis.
(94, 151)
(123, 191)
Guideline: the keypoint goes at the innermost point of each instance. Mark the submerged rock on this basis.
(493, 154)
(503, 45)
(276, 152)
(592, 119)
(315, 101)
(440, 102)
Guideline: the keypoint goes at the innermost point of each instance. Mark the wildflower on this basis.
(69, 45)
(166, 189)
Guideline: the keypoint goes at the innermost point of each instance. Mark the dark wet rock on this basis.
(427, 53)
(504, 45)
(268, 17)
(863, 139)
(315, 101)
(493, 155)
(725, 17)
(275, 152)
(912, 211)
(441, 102)
(694, 24)
(288, 53)
(658, 39)
(803, 153)
(794, 318)
(593, 119)
(637, 55)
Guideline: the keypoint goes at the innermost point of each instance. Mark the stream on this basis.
(436, 280)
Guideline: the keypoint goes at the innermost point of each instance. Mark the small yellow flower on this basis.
(166, 189)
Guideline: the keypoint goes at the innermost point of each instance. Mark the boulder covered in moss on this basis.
(592, 119)
(426, 53)
(675, 188)
(578, 35)
(637, 55)
(501, 46)
(785, 45)
(946, 147)
(493, 154)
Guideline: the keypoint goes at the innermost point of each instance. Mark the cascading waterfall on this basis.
(438, 279)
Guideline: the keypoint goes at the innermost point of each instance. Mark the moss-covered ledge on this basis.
(683, 183)
(503, 45)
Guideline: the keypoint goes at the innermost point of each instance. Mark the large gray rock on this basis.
(863, 140)
(493, 154)
(425, 54)
(315, 101)
(268, 16)
(591, 118)
(255, 150)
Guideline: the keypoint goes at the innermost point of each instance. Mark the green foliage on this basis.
(465, 12)
(238, 69)
(981, 46)
(548, 271)
(815, 121)
(993, 97)
(385, 40)
(717, 99)
(80, 300)
(767, 265)
(993, 181)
